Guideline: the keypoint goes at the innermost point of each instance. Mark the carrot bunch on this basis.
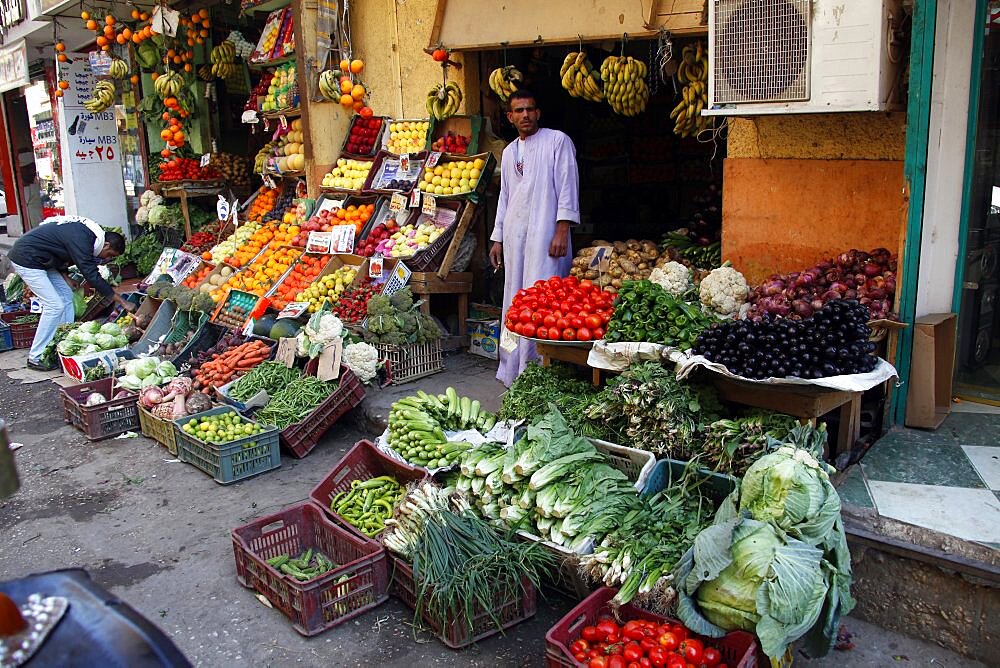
(231, 364)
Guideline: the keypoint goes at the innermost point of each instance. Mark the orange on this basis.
(154, 76)
(110, 20)
(127, 33)
(59, 93)
(171, 53)
(109, 32)
(203, 13)
(165, 153)
(166, 134)
(187, 67)
(178, 136)
(357, 65)
(136, 38)
(358, 92)
(62, 58)
(203, 33)
(134, 79)
(345, 65)
(135, 13)
(84, 15)
(102, 41)
(60, 47)
(358, 104)
(143, 16)
(64, 84)
(120, 39)
(91, 24)
(346, 100)
(346, 85)
(207, 24)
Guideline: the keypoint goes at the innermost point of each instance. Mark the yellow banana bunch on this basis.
(118, 69)
(505, 80)
(102, 98)
(443, 100)
(223, 53)
(625, 84)
(329, 84)
(579, 78)
(224, 70)
(693, 74)
(168, 85)
(205, 73)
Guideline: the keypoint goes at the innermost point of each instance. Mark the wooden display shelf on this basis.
(423, 284)
(570, 354)
(272, 63)
(278, 113)
(182, 190)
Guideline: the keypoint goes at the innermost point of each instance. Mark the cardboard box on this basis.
(76, 365)
(484, 338)
(478, 311)
(932, 367)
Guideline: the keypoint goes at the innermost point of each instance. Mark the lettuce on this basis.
(151, 380)
(105, 341)
(166, 369)
(130, 382)
(110, 328)
(90, 327)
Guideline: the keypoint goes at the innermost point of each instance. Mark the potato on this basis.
(603, 281)
(599, 242)
(591, 274)
(620, 247)
(627, 266)
(616, 283)
(632, 244)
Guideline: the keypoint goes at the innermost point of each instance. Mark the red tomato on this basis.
(524, 315)
(616, 661)
(580, 646)
(518, 328)
(571, 280)
(633, 664)
(711, 657)
(598, 662)
(598, 333)
(562, 323)
(631, 651)
(669, 641)
(583, 334)
(692, 649)
(675, 661)
(587, 285)
(528, 329)
(592, 321)
(569, 334)
(581, 657)
(658, 657)
(542, 332)
(645, 662)
(680, 631)
(595, 652)
(537, 318)
(590, 633)
(549, 320)
(576, 322)
(648, 644)
(568, 306)
(613, 640)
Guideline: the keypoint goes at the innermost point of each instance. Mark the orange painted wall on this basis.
(783, 215)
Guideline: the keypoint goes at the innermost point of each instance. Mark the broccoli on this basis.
(402, 300)
(407, 322)
(427, 328)
(154, 290)
(203, 302)
(183, 299)
(379, 305)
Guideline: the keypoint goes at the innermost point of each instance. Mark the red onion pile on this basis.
(869, 278)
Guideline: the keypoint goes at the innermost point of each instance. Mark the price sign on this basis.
(319, 242)
(375, 265)
(329, 361)
(398, 280)
(343, 239)
(293, 310)
(429, 206)
(397, 202)
(601, 259)
(269, 182)
(267, 124)
(250, 117)
(222, 208)
(286, 351)
(404, 162)
(233, 209)
(414, 198)
(433, 159)
(205, 159)
(284, 122)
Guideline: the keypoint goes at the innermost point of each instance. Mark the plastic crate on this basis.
(97, 307)
(160, 430)
(412, 360)
(430, 258)
(360, 583)
(362, 462)
(207, 336)
(300, 438)
(520, 605)
(6, 338)
(228, 462)
(22, 334)
(717, 485)
(111, 418)
(738, 648)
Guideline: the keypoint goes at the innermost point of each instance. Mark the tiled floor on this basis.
(947, 480)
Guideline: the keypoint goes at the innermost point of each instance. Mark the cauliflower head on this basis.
(673, 277)
(362, 359)
(723, 291)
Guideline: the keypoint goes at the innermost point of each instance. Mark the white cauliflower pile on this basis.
(148, 200)
(724, 291)
(673, 277)
(323, 328)
(362, 359)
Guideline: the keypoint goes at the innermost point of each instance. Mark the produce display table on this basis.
(423, 284)
(571, 354)
(183, 190)
(804, 402)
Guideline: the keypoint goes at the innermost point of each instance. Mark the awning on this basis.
(487, 24)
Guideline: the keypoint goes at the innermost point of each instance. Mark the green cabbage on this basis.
(166, 369)
(142, 367)
(86, 338)
(90, 348)
(110, 328)
(105, 341)
(130, 382)
(68, 347)
(121, 341)
(90, 327)
(151, 379)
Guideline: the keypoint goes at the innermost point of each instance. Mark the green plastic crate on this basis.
(229, 462)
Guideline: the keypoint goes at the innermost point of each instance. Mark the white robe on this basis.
(529, 206)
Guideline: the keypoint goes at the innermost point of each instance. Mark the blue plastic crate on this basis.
(717, 485)
(6, 338)
(232, 461)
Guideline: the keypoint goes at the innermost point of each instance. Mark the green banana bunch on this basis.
(693, 73)
(223, 53)
(118, 69)
(329, 84)
(443, 100)
(505, 80)
(625, 84)
(579, 78)
(205, 73)
(102, 98)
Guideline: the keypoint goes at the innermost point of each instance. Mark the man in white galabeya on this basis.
(539, 201)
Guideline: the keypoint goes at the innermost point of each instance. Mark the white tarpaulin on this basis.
(619, 356)
(857, 382)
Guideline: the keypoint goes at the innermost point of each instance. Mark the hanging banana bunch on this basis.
(118, 69)
(223, 59)
(102, 98)
(205, 72)
(693, 74)
(168, 85)
(625, 84)
(443, 100)
(329, 84)
(504, 81)
(579, 77)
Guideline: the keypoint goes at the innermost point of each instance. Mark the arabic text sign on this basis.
(93, 138)
(14, 66)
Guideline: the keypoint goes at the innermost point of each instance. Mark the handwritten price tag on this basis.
(222, 208)
(375, 266)
(205, 159)
(284, 122)
(397, 202)
(429, 206)
(319, 242)
(433, 159)
(343, 239)
(293, 310)
(286, 351)
(414, 198)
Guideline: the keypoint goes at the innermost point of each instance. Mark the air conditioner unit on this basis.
(803, 56)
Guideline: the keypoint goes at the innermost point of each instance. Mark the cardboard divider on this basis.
(385, 162)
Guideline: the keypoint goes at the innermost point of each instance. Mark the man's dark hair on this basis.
(116, 241)
(520, 94)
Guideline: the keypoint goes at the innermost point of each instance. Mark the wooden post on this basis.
(187, 216)
(461, 227)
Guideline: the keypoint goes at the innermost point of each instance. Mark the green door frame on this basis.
(979, 36)
(918, 115)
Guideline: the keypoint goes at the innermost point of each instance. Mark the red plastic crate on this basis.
(22, 334)
(360, 582)
(105, 420)
(300, 438)
(362, 462)
(514, 609)
(738, 648)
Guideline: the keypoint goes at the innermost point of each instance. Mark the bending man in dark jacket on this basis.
(42, 256)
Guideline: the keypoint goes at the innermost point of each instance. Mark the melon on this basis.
(284, 328)
(262, 326)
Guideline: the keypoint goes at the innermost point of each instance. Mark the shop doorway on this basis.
(637, 178)
(978, 368)
(26, 187)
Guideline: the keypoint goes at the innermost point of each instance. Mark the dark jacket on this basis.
(54, 246)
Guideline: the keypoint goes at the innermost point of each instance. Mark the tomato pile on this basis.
(180, 169)
(642, 643)
(560, 309)
(200, 242)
